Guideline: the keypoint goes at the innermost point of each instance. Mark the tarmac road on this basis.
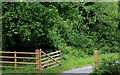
(80, 70)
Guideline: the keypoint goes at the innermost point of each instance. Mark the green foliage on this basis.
(93, 27)
(107, 66)
(73, 27)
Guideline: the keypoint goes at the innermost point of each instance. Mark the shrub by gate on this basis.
(43, 60)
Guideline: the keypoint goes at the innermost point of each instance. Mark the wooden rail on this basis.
(17, 57)
(51, 56)
(51, 60)
(53, 52)
(16, 67)
(17, 52)
(18, 62)
(42, 59)
(12, 67)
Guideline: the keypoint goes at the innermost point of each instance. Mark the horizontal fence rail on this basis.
(43, 60)
(18, 62)
(17, 57)
(18, 52)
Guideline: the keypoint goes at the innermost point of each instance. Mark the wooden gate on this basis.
(49, 60)
(43, 60)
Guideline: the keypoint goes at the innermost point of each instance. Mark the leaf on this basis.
(16, 32)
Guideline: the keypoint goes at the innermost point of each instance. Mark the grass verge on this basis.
(68, 62)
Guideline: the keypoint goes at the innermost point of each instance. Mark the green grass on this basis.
(68, 62)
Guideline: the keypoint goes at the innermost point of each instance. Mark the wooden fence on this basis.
(96, 58)
(42, 59)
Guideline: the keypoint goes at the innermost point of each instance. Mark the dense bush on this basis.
(107, 67)
(73, 27)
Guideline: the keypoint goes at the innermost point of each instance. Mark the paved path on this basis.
(83, 69)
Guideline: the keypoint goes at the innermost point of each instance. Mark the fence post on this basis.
(37, 62)
(15, 59)
(60, 57)
(96, 58)
(40, 58)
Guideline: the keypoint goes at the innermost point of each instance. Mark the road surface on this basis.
(83, 69)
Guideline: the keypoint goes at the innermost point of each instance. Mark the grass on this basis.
(68, 62)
